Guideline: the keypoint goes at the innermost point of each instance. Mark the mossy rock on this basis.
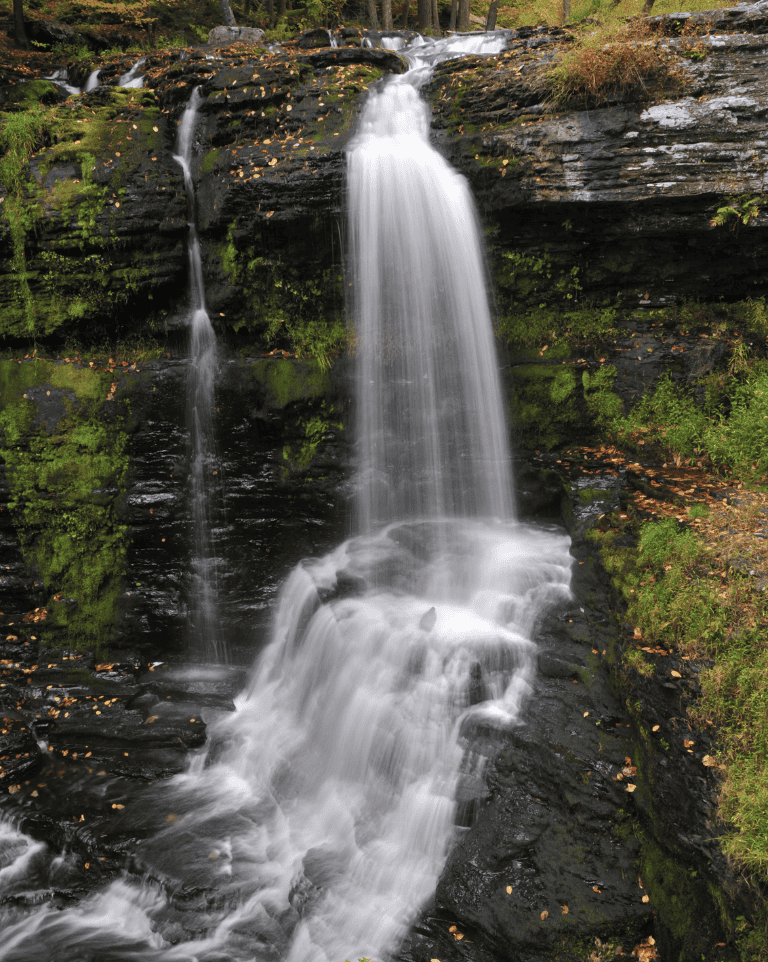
(23, 95)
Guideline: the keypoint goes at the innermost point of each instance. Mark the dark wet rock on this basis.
(310, 39)
(51, 32)
(345, 56)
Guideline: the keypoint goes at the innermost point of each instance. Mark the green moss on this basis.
(210, 161)
(603, 405)
(289, 306)
(286, 382)
(682, 900)
(67, 483)
(543, 404)
(74, 277)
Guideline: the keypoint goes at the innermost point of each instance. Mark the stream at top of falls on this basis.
(316, 822)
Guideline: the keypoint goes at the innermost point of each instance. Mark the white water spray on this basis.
(201, 384)
(317, 823)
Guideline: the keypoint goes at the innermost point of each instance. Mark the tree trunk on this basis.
(566, 10)
(435, 19)
(373, 19)
(463, 24)
(280, 8)
(454, 11)
(492, 11)
(406, 11)
(386, 14)
(647, 6)
(19, 33)
(425, 16)
(246, 8)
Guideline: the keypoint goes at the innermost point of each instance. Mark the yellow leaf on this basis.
(459, 936)
(453, 928)
(688, 742)
(708, 761)
(596, 889)
(631, 787)
(118, 807)
(565, 910)
(152, 718)
(645, 899)
(544, 915)
(675, 674)
(656, 728)
(509, 890)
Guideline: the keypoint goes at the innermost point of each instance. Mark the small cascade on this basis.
(203, 605)
(61, 78)
(92, 82)
(332, 40)
(133, 78)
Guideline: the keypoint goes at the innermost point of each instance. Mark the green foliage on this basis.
(315, 428)
(544, 408)
(738, 211)
(20, 135)
(730, 431)
(602, 404)
(541, 300)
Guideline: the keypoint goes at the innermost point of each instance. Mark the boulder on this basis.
(222, 36)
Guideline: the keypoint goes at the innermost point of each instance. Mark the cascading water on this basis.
(318, 821)
(133, 78)
(204, 619)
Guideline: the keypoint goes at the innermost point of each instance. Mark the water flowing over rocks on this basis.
(626, 190)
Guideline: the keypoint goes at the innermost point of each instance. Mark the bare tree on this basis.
(386, 14)
(425, 16)
(566, 10)
(435, 19)
(463, 23)
(492, 11)
(373, 19)
(19, 33)
(406, 11)
(454, 11)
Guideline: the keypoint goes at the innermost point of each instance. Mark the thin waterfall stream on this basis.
(204, 621)
(317, 821)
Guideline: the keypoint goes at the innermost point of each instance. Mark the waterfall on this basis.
(133, 78)
(431, 423)
(92, 82)
(317, 823)
(201, 384)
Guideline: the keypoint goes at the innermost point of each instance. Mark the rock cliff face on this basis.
(624, 191)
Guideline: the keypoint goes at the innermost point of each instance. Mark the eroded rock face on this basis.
(624, 191)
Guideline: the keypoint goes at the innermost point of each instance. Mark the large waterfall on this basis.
(315, 826)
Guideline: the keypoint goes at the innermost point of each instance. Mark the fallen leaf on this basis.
(565, 910)
(708, 761)
(544, 915)
(453, 928)
(152, 718)
(596, 889)
(688, 742)
(458, 936)
(675, 674)
(631, 787)
(656, 728)
(115, 805)
(645, 898)
(509, 890)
